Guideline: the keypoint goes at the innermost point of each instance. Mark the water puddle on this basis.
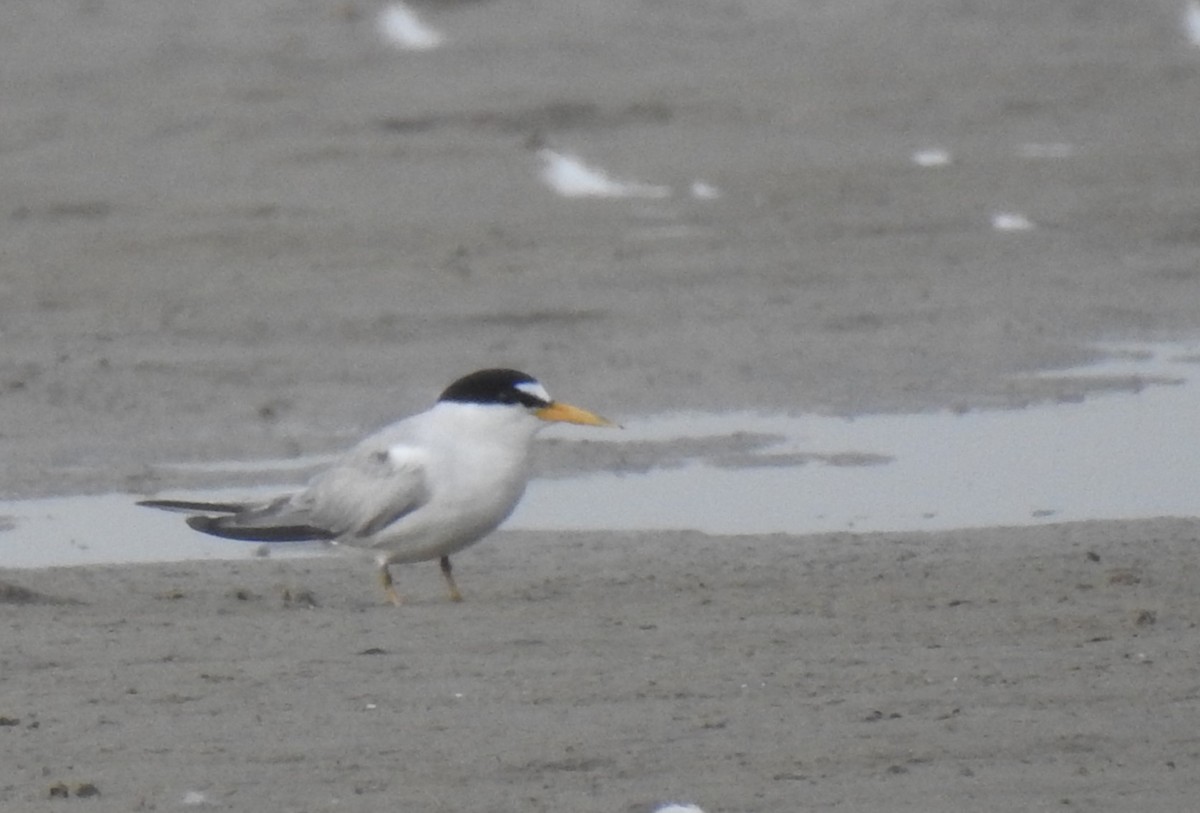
(1115, 455)
(110, 528)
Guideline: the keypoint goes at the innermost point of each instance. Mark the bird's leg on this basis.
(385, 578)
(449, 576)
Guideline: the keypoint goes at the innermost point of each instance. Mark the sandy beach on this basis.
(239, 231)
(992, 670)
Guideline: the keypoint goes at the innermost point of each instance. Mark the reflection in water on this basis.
(1112, 456)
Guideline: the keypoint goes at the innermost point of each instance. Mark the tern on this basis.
(423, 488)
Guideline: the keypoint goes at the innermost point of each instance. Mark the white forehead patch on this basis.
(535, 389)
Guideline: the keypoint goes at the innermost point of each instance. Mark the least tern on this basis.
(420, 489)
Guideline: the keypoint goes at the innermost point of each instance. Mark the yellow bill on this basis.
(558, 411)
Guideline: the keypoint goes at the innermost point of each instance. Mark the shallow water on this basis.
(1120, 455)
(1116, 455)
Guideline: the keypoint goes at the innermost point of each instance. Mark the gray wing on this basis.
(358, 496)
(367, 492)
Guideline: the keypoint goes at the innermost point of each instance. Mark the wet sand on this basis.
(256, 230)
(991, 670)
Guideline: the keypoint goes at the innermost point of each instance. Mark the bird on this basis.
(422, 488)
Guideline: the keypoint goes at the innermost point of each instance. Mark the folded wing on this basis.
(359, 496)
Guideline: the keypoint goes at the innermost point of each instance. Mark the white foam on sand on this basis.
(1191, 22)
(1011, 221)
(930, 157)
(570, 177)
(401, 27)
(702, 190)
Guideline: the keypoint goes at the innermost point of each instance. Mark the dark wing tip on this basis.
(222, 527)
(193, 507)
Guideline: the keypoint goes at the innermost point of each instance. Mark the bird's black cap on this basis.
(498, 386)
